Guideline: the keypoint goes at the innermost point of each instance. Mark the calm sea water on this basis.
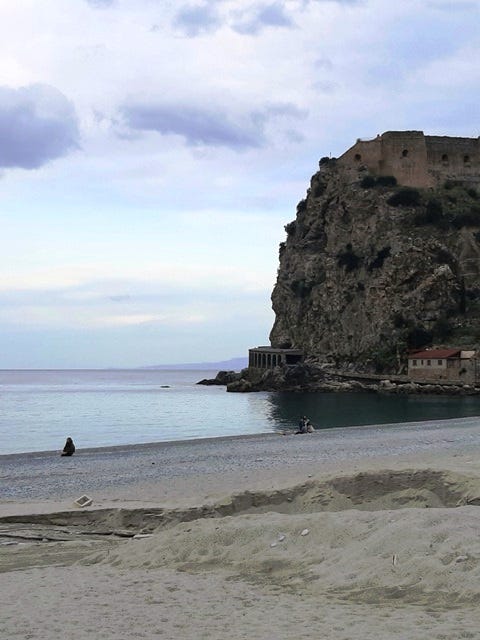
(39, 409)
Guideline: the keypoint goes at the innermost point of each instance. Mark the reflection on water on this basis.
(326, 410)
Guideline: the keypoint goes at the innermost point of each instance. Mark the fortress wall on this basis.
(364, 153)
(404, 155)
(416, 160)
(453, 158)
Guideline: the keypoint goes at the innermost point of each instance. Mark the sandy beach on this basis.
(365, 532)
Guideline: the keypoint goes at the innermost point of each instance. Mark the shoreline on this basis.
(158, 444)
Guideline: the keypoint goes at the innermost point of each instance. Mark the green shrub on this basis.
(399, 321)
(300, 288)
(367, 182)
(348, 259)
(377, 263)
(319, 189)
(433, 215)
(386, 181)
(451, 184)
(406, 197)
(442, 329)
(470, 218)
(302, 206)
(473, 193)
(385, 359)
(290, 228)
(443, 257)
(419, 337)
(327, 162)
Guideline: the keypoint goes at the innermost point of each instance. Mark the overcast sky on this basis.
(151, 152)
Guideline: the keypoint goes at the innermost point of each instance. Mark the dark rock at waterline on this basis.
(310, 376)
(222, 378)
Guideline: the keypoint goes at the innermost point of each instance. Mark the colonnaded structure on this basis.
(416, 160)
(269, 357)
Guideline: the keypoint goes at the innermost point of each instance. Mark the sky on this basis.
(151, 152)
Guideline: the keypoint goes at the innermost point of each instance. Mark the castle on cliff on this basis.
(416, 160)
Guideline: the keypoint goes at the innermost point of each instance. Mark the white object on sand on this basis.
(461, 559)
(305, 532)
(83, 501)
(281, 537)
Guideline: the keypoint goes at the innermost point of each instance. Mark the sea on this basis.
(104, 408)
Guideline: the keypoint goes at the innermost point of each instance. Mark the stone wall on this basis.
(416, 160)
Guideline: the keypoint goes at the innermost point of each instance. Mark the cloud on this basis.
(271, 15)
(198, 19)
(205, 127)
(448, 5)
(198, 126)
(334, 1)
(100, 4)
(37, 124)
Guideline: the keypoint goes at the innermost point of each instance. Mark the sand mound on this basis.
(418, 556)
(383, 552)
(368, 537)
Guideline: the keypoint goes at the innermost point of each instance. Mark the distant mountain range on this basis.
(234, 364)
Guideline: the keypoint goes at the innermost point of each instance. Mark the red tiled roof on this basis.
(435, 354)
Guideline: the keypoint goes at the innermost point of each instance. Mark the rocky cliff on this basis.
(370, 268)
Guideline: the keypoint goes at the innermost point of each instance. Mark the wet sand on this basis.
(204, 538)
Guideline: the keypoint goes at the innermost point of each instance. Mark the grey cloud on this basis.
(335, 1)
(272, 15)
(100, 4)
(459, 5)
(120, 298)
(324, 64)
(306, 3)
(277, 110)
(196, 19)
(202, 127)
(198, 126)
(37, 124)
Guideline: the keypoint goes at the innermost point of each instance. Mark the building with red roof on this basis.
(444, 365)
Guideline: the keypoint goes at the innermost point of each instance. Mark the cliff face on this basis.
(370, 269)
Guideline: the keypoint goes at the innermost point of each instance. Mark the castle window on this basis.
(357, 157)
(445, 158)
(466, 160)
(439, 362)
(404, 153)
(429, 362)
(414, 363)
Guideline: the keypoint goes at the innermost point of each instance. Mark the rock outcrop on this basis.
(222, 378)
(320, 377)
(370, 269)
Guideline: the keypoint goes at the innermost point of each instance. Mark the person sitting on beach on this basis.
(302, 425)
(69, 448)
(310, 427)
